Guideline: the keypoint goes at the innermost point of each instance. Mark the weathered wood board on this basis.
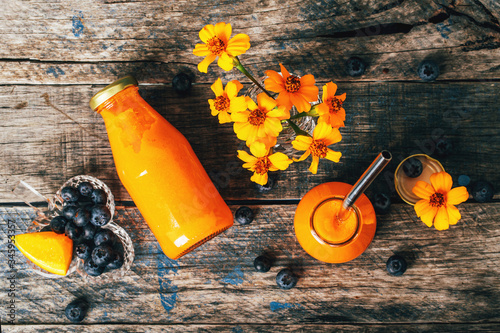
(453, 277)
(93, 42)
(49, 134)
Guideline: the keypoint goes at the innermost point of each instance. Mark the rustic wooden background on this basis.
(55, 55)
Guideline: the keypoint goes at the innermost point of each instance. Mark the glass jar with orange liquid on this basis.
(160, 171)
(335, 222)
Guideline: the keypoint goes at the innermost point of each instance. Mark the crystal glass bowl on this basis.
(54, 209)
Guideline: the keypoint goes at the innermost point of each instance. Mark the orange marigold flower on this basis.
(292, 89)
(317, 146)
(226, 100)
(260, 121)
(331, 110)
(262, 161)
(439, 200)
(218, 44)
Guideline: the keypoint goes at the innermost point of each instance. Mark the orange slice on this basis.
(48, 250)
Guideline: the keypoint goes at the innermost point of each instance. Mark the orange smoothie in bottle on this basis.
(160, 171)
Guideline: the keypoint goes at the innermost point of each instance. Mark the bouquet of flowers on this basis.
(259, 123)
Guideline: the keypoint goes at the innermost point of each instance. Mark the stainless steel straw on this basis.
(363, 182)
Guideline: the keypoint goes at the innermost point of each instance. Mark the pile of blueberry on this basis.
(84, 213)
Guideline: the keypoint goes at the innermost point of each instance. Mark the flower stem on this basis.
(242, 69)
(296, 128)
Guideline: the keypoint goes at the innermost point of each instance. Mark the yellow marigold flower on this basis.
(226, 100)
(331, 110)
(317, 146)
(262, 161)
(218, 44)
(292, 90)
(260, 121)
(439, 200)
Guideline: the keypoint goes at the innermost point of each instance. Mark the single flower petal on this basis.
(246, 157)
(260, 179)
(333, 156)
(240, 117)
(284, 100)
(329, 90)
(423, 190)
(303, 157)
(457, 195)
(300, 102)
(441, 221)
(310, 93)
(207, 32)
(223, 31)
(258, 149)
(342, 97)
(217, 87)
(441, 181)
(453, 214)
(224, 117)
(225, 62)
(237, 45)
(429, 215)
(323, 109)
(231, 90)
(253, 135)
(242, 130)
(266, 102)
(422, 207)
(278, 112)
(322, 131)
(280, 160)
(272, 126)
(203, 65)
(201, 50)
(284, 72)
(302, 142)
(314, 165)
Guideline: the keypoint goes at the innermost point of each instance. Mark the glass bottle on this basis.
(160, 171)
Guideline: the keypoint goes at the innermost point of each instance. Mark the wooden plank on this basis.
(49, 134)
(453, 277)
(421, 328)
(94, 42)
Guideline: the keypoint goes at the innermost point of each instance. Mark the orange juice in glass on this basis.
(160, 171)
(335, 222)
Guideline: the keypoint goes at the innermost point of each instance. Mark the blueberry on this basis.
(84, 250)
(443, 147)
(70, 194)
(463, 180)
(69, 211)
(100, 215)
(72, 231)
(104, 236)
(98, 196)
(82, 217)
(243, 215)
(262, 264)
(396, 265)
(85, 189)
(181, 83)
(117, 261)
(428, 70)
(355, 66)
(88, 231)
(412, 167)
(482, 191)
(381, 203)
(58, 224)
(102, 255)
(286, 279)
(91, 268)
(76, 310)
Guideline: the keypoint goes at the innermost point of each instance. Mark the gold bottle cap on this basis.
(111, 90)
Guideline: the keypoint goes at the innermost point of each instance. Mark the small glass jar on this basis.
(160, 171)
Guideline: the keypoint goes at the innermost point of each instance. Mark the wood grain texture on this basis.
(399, 327)
(49, 134)
(93, 42)
(453, 278)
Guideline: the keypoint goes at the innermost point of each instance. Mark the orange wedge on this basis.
(48, 250)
